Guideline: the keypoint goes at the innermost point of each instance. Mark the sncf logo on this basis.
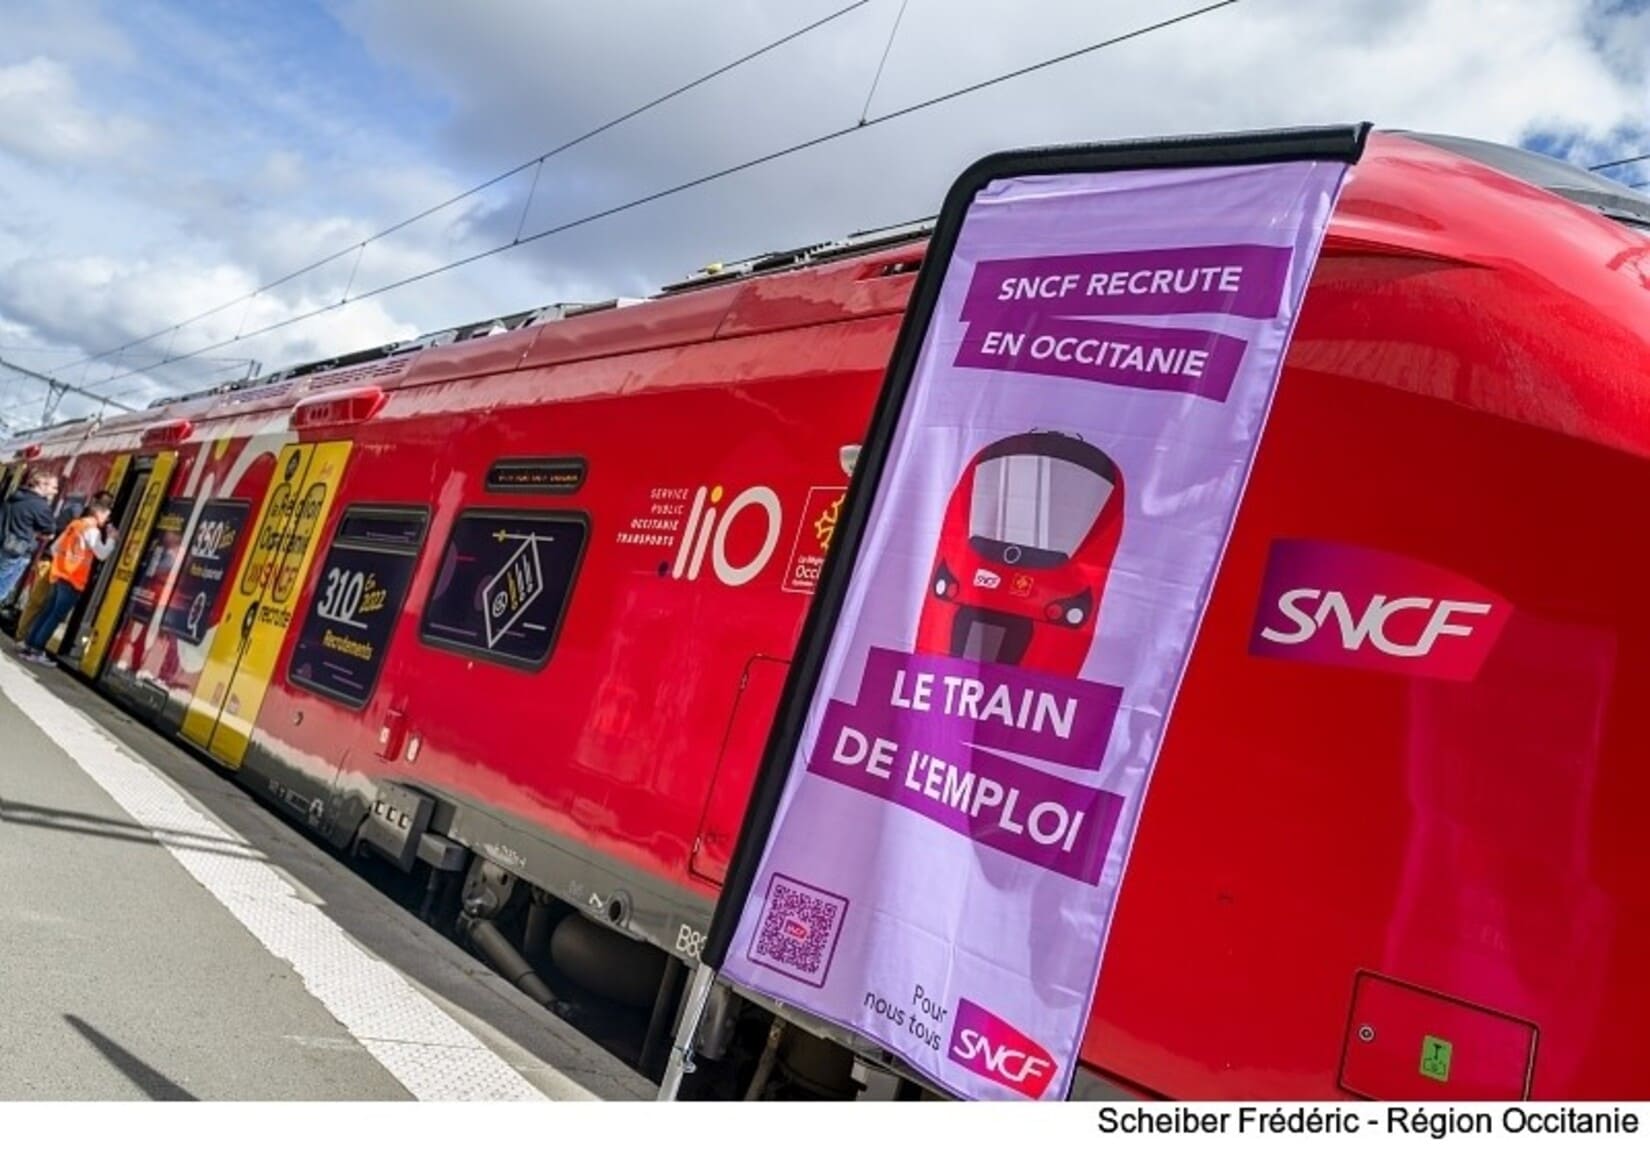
(1374, 626)
(987, 1045)
(1353, 606)
(739, 539)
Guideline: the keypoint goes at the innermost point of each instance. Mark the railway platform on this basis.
(163, 936)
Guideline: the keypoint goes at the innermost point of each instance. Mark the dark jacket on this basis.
(27, 516)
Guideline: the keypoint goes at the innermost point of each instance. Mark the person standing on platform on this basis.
(86, 538)
(26, 521)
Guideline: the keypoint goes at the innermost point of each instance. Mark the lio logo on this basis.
(709, 524)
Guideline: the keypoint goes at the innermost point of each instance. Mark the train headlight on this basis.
(945, 583)
(1073, 611)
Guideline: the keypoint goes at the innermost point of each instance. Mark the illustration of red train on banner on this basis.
(1029, 537)
(1079, 400)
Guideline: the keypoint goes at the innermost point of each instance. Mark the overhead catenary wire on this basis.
(883, 63)
(700, 181)
(1620, 163)
(459, 197)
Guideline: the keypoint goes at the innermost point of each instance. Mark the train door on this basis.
(760, 690)
(152, 478)
(260, 609)
(124, 482)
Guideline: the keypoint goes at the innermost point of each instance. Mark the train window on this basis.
(160, 559)
(1038, 503)
(503, 583)
(383, 526)
(357, 598)
(193, 604)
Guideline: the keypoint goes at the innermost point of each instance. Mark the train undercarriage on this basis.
(586, 964)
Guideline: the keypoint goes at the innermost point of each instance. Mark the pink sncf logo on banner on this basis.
(1352, 606)
(985, 1044)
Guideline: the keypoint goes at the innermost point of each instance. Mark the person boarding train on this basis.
(86, 538)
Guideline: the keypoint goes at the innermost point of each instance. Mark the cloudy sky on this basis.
(160, 159)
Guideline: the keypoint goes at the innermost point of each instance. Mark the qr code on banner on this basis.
(799, 931)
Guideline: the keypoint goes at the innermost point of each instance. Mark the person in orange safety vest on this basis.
(86, 538)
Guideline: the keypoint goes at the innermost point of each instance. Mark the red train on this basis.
(517, 607)
(1027, 542)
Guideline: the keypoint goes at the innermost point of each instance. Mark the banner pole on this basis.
(769, 784)
(687, 1030)
(803, 678)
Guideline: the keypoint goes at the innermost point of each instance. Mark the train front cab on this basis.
(1024, 552)
(1366, 868)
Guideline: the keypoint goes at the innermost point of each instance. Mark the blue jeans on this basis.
(63, 597)
(11, 573)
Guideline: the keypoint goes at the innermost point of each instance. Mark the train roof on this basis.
(716, 301)
(713, 291)
(1576, 184)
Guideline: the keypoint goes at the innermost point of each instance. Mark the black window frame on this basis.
(498, 510)
(413, 551)
(577, 464)
(385, 510)
(169, 583)
(232, 571)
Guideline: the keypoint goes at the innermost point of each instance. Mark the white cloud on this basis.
(67, 29)
(283, 172)
(43, 118)
(102, 303)
(522, 80)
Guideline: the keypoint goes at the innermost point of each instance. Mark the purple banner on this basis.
(1244, 279)
(955, 826)
(1027, 814)
(1063, 720)
(1160, 358)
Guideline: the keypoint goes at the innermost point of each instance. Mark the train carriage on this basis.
(516, 606)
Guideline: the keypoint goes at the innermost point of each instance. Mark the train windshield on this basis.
(1037, 503)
